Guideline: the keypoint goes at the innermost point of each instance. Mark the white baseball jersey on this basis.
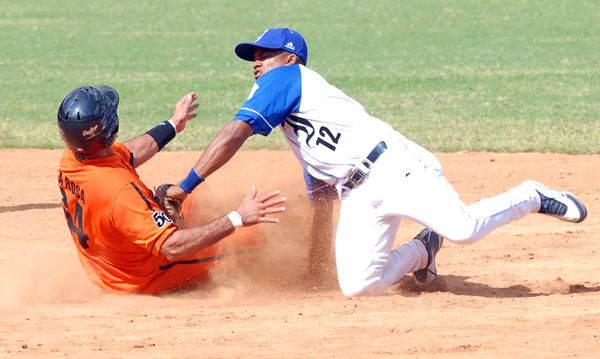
(328, 131)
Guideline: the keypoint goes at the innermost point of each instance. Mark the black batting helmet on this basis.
(87, 118)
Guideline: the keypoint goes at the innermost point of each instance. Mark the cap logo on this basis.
(91, 133)
(290, 45)
(261, 35)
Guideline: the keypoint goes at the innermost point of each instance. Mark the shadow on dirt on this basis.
(26, 207)
(460, 285)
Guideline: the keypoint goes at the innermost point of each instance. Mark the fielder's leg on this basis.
(365, 262)
(425, 196)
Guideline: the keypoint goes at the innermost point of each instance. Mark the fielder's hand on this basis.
(183, 111)
(176, 192)
(171, 206)
(255, 210)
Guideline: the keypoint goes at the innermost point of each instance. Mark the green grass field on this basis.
(454, 75)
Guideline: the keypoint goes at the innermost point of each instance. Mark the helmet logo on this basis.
(91, 133)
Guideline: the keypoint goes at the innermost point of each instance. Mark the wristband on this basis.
(191, 181)
(173, 124)
(163, 134)
(235, 219)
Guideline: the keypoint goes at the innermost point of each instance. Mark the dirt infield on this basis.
(529, 290)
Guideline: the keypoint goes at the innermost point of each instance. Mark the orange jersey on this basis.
(117, 227)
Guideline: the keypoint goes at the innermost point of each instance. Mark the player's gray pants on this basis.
(407, 182)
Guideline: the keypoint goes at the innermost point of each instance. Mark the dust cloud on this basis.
(52, 275)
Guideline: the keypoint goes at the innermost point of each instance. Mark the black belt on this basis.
(361, 170)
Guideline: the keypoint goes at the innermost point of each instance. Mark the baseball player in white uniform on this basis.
(380, 176)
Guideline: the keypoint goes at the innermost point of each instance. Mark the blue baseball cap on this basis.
(277, 38)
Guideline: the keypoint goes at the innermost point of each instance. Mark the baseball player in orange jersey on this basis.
(125, 242)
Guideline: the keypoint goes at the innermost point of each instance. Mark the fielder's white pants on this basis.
(407, 182)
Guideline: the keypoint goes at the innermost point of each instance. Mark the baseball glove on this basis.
(171, 206)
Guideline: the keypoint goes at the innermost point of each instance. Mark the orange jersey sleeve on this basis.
(137, 216)
(117, 228)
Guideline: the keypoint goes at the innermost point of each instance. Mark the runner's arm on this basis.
(147, 145)
(252, 211)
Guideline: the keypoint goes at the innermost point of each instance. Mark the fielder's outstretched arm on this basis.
(225, 144)
(219, 151)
